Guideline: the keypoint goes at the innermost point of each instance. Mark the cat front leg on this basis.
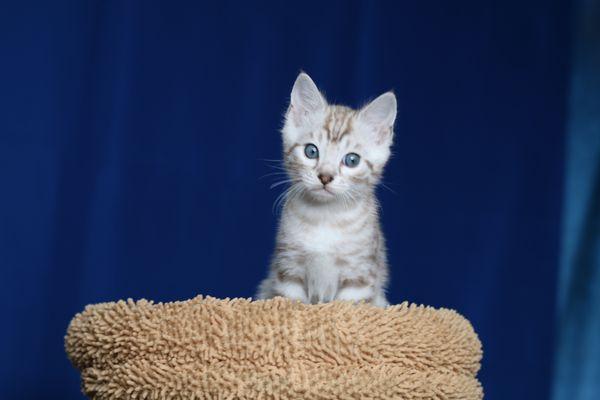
(284, 284)
(361, 288)
(293, 290)
(366, 294)
(380, 300)
(356, 294)
(322, 278)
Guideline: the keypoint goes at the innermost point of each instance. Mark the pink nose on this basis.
(325, 179)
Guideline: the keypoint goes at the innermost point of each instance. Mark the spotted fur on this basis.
(329, 243)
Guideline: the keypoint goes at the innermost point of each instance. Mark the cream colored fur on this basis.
(329, 243)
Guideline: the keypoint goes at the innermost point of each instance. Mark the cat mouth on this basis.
(323, 190)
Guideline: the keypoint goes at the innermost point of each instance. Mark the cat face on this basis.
(332, 152)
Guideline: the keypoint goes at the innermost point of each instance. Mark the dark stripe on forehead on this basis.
(343, 123)
(346, 131)
(340, 122)
(327, 124)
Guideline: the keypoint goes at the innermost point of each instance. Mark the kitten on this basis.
(329, 243)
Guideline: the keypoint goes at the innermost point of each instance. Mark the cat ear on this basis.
(379, 116)
(306, 99)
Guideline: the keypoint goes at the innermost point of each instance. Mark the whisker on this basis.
(291, 194)
(345, 198)
(277, 167)
(272, 174)
(388, 188)
(297, 193)
(351, 196)
(270, 160)
(279, 201)
(283, 182)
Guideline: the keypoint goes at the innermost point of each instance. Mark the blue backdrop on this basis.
(132, 135)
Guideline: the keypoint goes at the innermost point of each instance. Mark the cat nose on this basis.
(325, 179)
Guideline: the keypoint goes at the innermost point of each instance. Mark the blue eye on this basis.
(351, 160)
(311, 151)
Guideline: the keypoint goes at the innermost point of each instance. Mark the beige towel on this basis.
(206, 348)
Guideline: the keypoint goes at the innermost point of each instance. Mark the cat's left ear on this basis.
(379, 116)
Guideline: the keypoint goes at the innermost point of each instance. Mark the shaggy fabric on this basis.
(207, 348)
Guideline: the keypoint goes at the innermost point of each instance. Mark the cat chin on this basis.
(322, 195)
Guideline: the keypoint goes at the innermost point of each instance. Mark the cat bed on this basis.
(206, 348)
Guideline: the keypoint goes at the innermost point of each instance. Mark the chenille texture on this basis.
(206, 348)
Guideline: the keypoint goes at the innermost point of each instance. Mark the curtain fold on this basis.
(577, 372)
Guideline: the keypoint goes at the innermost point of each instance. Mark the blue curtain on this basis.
(578, 347)
(132, 135)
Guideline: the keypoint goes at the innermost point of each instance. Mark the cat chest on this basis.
(324, 239)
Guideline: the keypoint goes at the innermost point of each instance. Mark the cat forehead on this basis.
(338, 122)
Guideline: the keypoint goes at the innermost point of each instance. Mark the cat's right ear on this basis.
(306, 100)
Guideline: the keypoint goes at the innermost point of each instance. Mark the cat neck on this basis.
(335, 206)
